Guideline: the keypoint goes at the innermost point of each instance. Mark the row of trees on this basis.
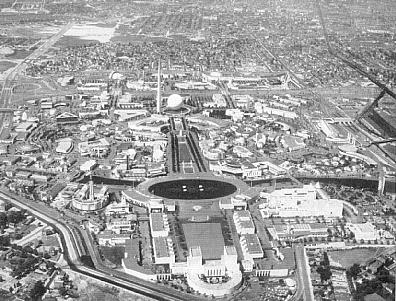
(14, 217)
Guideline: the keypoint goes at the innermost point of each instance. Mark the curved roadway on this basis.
(53, 218)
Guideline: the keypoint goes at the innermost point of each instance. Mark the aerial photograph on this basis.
(197, 150)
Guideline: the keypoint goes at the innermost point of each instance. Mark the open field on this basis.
(113, 254)
(5, 65)
(28, 87)
(349, 257)
(71, 41)
(102, 33)
(19, 54)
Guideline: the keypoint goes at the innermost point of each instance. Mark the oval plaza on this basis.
(209, 263)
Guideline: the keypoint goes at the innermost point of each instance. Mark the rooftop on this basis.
(157, 222)
(160, 247)
(252, 243)
(208, 236)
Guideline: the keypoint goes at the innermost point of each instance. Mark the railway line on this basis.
(72, 252)
(81, 251)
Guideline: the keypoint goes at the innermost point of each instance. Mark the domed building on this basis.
(175, 101)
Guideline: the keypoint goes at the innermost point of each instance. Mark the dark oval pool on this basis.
(191, 189)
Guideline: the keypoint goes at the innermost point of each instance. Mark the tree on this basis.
(325, 273)
(3, 219)
(355, 270)
(15, 217)
(4, 241)
(38, 290)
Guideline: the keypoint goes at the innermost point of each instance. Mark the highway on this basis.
(349, 62)
(8, 85)
(71, 254)
(304, 285)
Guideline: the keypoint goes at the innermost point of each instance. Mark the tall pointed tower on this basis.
(91, 189)
(159, 88)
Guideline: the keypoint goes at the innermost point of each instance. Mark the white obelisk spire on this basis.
(159, 88)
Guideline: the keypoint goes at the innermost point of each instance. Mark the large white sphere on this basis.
(175, 101)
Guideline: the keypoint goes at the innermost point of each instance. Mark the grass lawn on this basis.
(5, 65)
(113, 254)
(71, 41)
(349, 257)
(26, 87)
(19, 54)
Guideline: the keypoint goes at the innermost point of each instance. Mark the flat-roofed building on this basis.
(237, 202)
(121, 224)
(88, 165)
(201, 274)
(243, 222)
(303, 201)
(251, 246)
(297, 231)
(111, 239)
(159, 225)
(363, 231)
(119, 208)
(207, 236)
(98, 148)
(163, 250)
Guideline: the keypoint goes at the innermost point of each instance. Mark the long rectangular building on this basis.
(251, 247)
(159, 225)
(163, 250)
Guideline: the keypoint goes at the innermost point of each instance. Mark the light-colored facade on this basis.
(251, 247)
(243, 222)
(302, 201)
(86, 199)
(108, 238)
(121, 224)
(297, 231)
(159, 225)
(120, 208)
(364, 231)
(98, 148)
(208, 277)
(163, 250)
